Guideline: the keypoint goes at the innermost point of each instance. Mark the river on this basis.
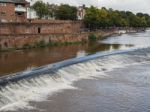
(32, 58)
(113, 83)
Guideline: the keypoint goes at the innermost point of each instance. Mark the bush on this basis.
(26, 46)
(40, 44)
(92, 37)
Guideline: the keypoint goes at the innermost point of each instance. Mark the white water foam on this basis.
(19, 94)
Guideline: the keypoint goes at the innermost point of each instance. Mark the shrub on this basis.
(40, 44)
(92, 37)
(27, 46)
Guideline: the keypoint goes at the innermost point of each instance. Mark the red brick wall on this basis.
(9, 11)
(8, 14)
(51, 27)
(21, 18)
(18, 41)
(16, 35)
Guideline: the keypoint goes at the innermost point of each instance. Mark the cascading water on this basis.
(19, 93)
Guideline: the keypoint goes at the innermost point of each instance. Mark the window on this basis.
(39, 30)
(6, 44)
(3, 4)
(19, 14)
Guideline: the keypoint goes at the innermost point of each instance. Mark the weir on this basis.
(24, 86)
(52, 67)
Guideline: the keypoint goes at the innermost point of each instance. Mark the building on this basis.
(31, 14)
(81, 12)
(13, 10)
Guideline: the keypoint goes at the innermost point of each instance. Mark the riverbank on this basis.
(27, 41)
(10, 42)
(31, 58)
(16, 36)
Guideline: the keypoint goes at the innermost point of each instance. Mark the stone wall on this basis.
(41, 27)
(18, 35)
(19, 41)
(7, 13)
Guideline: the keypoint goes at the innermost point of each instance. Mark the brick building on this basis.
(13, 10)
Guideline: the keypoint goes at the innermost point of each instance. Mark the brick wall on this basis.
(7, 12)
(18, 41)
(16, 35)
(37, 27)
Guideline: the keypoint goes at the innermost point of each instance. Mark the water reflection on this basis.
(11, 62)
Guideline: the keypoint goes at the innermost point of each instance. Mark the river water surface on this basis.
(114, 83)
(28, 59)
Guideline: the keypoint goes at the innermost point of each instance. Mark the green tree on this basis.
(91, 18)
(66, 12)
(41, 9)
(148, 22)
(103, 19)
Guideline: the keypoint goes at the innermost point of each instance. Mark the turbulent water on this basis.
(111, 82)
(16, 95)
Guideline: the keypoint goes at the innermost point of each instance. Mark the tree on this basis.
(148, 22)
(66, 12)
(103, 19)
(91, 18)
(94, 18)
(41, 9)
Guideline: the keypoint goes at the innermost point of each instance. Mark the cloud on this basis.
(131, 5)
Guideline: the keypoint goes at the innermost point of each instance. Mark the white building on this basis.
(31, 14)
(81, 12)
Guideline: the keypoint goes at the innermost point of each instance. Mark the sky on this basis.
(128, 5)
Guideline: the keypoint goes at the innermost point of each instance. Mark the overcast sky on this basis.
(131, 5)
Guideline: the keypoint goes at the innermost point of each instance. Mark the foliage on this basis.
(41, 9)
(95, 18)
(92, 37)
(66, 12)
(26, 46)
(40, 44)
(62, 12)
(91, 18)
(102, 18)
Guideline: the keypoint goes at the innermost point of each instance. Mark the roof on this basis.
(13, 1)
(19, 1)
(5, 1)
